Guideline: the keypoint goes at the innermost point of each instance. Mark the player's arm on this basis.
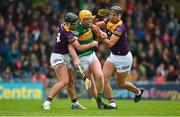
(101, 24)
(112, 41)
(73, 41)
(114, 37)
(84, 47)
(73, 55)
(98, 32)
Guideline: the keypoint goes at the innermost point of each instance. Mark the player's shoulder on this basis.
(120, 25)
(65, 33)
(106, 20)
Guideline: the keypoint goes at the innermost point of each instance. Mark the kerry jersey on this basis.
(85, 36)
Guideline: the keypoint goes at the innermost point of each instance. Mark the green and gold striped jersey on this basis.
(85, 36)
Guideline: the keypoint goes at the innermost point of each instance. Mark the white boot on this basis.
(46, 105)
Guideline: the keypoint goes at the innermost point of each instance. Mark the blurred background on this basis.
(28, 30)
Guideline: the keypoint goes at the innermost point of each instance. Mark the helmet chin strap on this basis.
(119, 16)
(67, 25)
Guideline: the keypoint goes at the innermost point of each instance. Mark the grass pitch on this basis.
(61, 107)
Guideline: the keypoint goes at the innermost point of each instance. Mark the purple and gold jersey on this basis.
(64, 37)
(121, 46)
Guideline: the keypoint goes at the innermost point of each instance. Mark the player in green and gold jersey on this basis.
(89, 62)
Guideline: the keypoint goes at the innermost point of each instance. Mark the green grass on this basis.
(61, 107)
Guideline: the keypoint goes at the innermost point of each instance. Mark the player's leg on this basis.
(93, 89)
(121, 81)
(86, 63)
(122, 70)
(63, 79)
(85, 66)
(72, 93)
(95, 68)
(108, 71)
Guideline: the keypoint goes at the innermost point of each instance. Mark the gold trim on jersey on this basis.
(64, 25)
(111, 26)
(86, 36)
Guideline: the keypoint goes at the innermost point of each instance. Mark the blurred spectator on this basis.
(160, 75)
(7, 74)
(159, 79)
(171, 73)
(37, 76)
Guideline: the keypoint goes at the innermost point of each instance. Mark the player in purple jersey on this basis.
(120, 59)
(60, 60)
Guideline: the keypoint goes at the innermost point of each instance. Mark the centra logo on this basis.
(20, 93)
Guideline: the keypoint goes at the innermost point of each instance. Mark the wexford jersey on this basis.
(85, 36)
(121, 46)
(64, 37)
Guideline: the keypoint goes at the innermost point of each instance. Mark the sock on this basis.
(99, 97)
(47, 102)
(75, 102)
(138, 92)
(112, 102)
(49, 99)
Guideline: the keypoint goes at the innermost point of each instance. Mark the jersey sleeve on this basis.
(71, 37)
(119, 30)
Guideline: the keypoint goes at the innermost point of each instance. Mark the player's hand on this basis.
(95, 43)
(103, 35)
(96, 30)
(94, 19)
(76, 62)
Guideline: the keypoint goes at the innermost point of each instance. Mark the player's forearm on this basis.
(84, 47)
(72, 52)
(112, 41)
(100, 24)
(108, 43)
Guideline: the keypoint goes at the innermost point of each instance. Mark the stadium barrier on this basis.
(22, 90)
(168, 91)
(25, 90)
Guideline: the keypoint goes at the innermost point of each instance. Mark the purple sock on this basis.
(49, 99)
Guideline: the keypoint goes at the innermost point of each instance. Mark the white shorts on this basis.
(122, 63)
(60, 58)
(87, 60)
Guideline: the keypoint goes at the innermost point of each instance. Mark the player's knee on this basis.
(122, 85)
(106, 78)
(64, 82)
(99, 76)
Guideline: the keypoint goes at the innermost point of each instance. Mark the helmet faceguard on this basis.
(71, 20)
(116, 9)
(70, 17)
